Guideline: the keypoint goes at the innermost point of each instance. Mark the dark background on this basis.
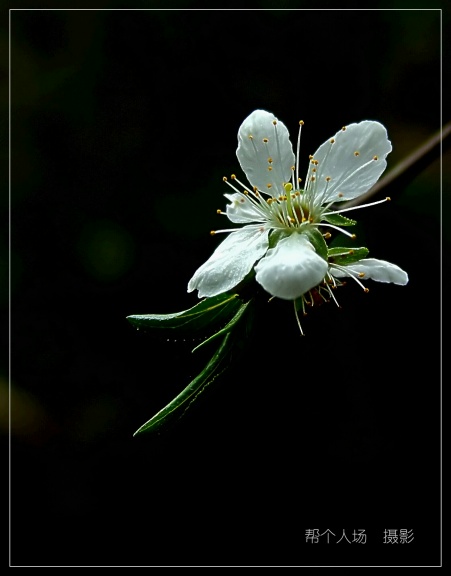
(122, 125)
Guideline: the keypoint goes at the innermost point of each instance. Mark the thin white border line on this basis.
(441, 293)
(227, 9)
(215, 10)
(9, 283)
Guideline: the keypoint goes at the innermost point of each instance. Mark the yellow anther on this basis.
(274, 122)
(332, 140)
(292, 220)
(388, 199)
(361, 274)
(353, 236)
(219, 211)
(366, 290)
(304, 219)
(310, 157)
(327, 178)
(314, 170)
(293, 168)
(250, 137)
(270, 160)
(265, 140)
(375, 158)
(344, 128)
(224, 178)
(351, 252)
(356, 153)
(340, 195)
(245, 192)
(268, 185)
(212, 233)
(299, 180)
(270, 168)
(327, 235)
(312, 178)
(315, 162)
(301, 122)
(310, 220)
(233, 176)
(255, 189)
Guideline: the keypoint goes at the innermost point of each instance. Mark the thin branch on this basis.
(411, 166)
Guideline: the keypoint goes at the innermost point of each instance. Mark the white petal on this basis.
(267, 165)
(230, 262)
(349, 160)
(379, 270)
(291, 268)
(242, 210)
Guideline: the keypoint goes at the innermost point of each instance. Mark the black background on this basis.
(123, 123)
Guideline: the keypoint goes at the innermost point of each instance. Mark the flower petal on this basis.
(353, 160)
(242, 210)
(230, 262)
(291, 268)
(265, 152)
(379, 270)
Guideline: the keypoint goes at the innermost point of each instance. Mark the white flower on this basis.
(279, 212)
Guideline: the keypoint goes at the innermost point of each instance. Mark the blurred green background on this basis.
(123, 123)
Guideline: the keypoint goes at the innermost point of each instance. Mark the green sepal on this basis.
(204, 314)
(345, 256)
(276, 236)
(339, 220)
(228, 328)
(317, 240)
(231, 344)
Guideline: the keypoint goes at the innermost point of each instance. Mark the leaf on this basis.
(226, 328)
(345, 256)
(339, 220)
(216, 366)
(208, 312)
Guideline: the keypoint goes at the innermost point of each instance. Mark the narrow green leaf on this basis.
(219, 362)
(226, 328)
(205, 313)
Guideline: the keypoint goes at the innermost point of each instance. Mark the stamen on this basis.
(233, 177)
(301, 123)
(214, 232)
(357, 170)
(345, 232)
(297, 315)
(231, 185)
(332, 294)
(350, 273)
(387, 199)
